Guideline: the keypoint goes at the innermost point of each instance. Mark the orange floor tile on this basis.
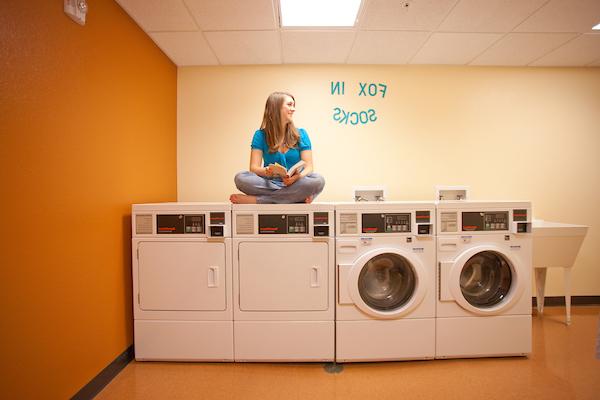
(563, 365)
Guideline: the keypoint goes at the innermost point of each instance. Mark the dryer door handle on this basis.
(213, 277)
(314, 277)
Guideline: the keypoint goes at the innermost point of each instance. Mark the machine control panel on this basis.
(521, 221)
(180, 224)
(423, 217)
(485, 221)
(424, 225)
(217, 218)
(520, 215)
(217, 224)
(270, 224)
(321, 218)
(321, 224)
(386, 223)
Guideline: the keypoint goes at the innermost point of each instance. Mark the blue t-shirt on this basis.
(287, 159)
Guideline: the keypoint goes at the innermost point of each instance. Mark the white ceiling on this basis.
(459, 32)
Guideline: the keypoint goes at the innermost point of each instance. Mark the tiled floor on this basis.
(563, 366)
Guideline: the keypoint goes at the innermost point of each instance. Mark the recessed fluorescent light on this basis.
(596, 28)
(320, 13)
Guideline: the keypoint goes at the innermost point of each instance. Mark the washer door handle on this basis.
(213, 277)
(314, 277)
(444, 280)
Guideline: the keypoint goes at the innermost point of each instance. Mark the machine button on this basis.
(216, 231)
(321, 230)
(424, 229)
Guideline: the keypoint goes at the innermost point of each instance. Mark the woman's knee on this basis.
(317, 182)
(241, 179)
(320, 181)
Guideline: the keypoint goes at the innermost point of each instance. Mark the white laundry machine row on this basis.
(215, 282)
(182, 269)
(283, 282)
(386, 281)
(484, 252)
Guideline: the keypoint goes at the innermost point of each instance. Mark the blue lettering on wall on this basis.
(337, 88)
(372, 89)
(362, 89)
(372, 116)
(354, 118)
(363, 117)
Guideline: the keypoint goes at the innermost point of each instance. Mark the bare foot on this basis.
(308, 200)
(239, 198)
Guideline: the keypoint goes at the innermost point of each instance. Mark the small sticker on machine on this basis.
(244, 224)
(348, 223)
(449, 222)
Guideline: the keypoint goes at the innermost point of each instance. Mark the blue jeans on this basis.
(269, 191)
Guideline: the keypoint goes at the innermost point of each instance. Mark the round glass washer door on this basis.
(387, 282)
(486, 279)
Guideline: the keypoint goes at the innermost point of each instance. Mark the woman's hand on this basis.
(290, 180)
(268, 172)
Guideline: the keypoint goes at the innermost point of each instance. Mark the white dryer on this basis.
(283, 269)
(182, 286)
(484, 256)
(386, 274)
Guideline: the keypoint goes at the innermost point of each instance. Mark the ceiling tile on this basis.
(185, 48)
(478, 32)
(454, 48)
(522, 48)
(563, 16)
(488, 15)
(159, 15)
(314, 47)
(581, 51)
(247, 47)
(420, 15)
(234, 15)
(386, 47)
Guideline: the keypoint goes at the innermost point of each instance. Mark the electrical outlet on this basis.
(76, 9)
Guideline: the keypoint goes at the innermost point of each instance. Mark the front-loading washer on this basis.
(283, 270)
(386, 275)
(182, 281)
(484, 260)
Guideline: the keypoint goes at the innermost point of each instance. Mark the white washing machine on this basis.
(386, 274)
(484, 257)
(283, 270)
(182, 282)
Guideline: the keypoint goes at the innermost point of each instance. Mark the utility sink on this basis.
(555, 245)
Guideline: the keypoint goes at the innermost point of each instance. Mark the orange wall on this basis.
(87, 127)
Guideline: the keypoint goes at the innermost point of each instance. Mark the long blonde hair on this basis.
(271, 123)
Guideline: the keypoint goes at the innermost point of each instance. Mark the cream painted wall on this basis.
(508, 133)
